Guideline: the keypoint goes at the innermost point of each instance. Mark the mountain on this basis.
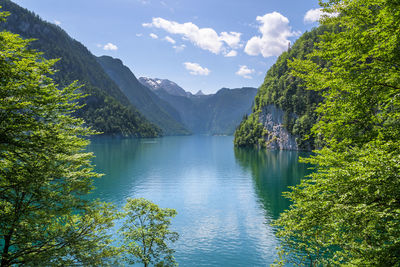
(147, 102)
(284, 111)
(227, 108)
(170, 87)
(217, 114)
(106, 108)
(199, 93)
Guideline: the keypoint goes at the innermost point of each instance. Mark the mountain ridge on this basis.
(145, 100)
(169, 86)
(216, 114)
(106, 109)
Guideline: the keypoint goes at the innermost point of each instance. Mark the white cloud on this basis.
(232, 39)
(314, 15)
(179, 48)
(139, 34)
(169, 39)
(275, 32)
(57, 22)
(110, 46)
(196, 69)
(205, 38)
(245, 72)
(154, 36)
(232, 53)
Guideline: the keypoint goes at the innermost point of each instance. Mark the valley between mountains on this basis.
(118, 103)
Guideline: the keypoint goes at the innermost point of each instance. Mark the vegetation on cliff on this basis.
(288, 93)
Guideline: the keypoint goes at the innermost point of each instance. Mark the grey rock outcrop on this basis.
(278, 138)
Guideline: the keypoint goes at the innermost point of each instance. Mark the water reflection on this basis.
(224, 197)
(272, 172)
(119, 160)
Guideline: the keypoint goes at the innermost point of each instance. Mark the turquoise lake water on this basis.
(225, 197)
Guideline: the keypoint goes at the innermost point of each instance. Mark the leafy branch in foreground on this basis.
(348, 211)
(145, 233)
(44, 171)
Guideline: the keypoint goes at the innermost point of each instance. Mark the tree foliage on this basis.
(250, 132)
(146, 234)
(44, 171)
(348, 211)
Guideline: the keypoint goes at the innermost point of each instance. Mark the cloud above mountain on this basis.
(232, 53)
(314, 15)
(196, 69)
(245, 72)
(204, 38)
(110, 46)
(275, 31)
(169, 40)
(153, 35)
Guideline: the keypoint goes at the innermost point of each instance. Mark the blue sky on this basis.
(201, 45)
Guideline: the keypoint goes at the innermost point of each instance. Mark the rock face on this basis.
(278, 138)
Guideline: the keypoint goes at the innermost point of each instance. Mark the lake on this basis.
(225, 197)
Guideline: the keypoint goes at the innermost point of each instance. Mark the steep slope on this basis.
(148, 103)
(227, 108)
(107, 109)
(284, 111)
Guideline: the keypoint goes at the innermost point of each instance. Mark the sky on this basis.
(199, 44)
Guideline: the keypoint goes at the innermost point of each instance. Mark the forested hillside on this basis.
(285, 92)
(106, 108)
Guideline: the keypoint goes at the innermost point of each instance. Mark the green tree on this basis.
(250, 132)
(348, 211)
(146, 233)
(45, 173)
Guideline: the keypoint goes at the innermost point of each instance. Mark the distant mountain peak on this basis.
(200, 93)
(156, 84)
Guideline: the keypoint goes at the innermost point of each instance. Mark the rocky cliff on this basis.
(276, 136)
(284, 110)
